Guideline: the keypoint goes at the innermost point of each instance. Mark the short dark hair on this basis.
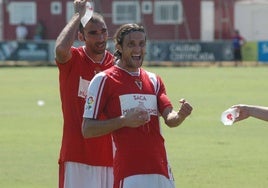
(96, 18)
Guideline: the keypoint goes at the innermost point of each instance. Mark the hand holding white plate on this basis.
(88, 14)
(229, 115)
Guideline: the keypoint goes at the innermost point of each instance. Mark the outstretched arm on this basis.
(245, 111)
(67, 36)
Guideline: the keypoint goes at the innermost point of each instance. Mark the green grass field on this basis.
(203, 152)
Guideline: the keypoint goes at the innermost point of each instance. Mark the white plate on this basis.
(88, 14)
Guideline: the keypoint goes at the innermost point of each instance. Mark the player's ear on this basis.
(81, 36)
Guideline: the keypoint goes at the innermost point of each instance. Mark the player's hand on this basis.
(185, 109)
(242, 111)
(80, 7)
(136, 117)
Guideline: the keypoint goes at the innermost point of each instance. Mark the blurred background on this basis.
(178, 31)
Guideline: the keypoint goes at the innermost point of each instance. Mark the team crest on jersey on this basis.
(139, 84)
(89, 102)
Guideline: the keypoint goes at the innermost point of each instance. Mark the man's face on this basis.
(95, 36)
(133, 50)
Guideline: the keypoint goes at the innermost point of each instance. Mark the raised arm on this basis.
(67, 36)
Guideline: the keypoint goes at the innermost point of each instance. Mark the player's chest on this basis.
(136, 85)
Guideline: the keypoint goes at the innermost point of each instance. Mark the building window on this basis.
(22, 12)
(146, 7)
(55, 8)
(126, 12)
(168, 12)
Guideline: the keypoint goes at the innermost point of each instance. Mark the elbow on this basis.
(86, 133)
(62, 54)
(60, 51)
(58, 48)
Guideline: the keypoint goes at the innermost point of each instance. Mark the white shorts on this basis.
(78, 175)
(147, 180)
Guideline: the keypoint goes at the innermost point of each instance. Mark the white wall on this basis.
(207, 20)
(251, 19)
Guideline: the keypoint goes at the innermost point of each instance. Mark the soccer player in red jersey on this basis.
(131, 99)
(83, 162)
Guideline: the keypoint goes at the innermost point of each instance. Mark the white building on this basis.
(250, 19)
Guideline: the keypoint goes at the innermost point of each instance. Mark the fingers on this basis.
(186, 106)
(137, 117)
(182, 100)
(80, 1)
(143, 116)
(80, 6)
(185, 109)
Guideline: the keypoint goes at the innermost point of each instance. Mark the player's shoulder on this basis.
(98, 79)
(109, 55)
(102, 77)
(151, 75)
(105, 73)
(77, 52)
(78, 49)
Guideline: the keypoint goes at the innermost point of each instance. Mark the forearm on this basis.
(94, 128)
(259, 112)
(174, 119)
(66, 38)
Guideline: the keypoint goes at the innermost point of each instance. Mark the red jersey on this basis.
(138, 150)
(74, 78)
